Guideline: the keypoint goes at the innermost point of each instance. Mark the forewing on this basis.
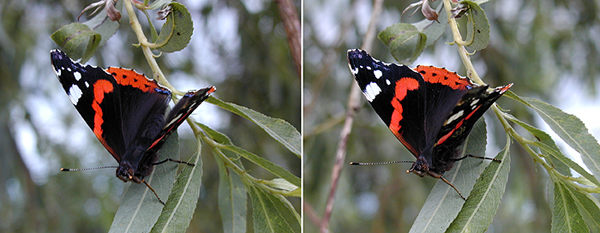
(143, 106)
(466, 112)
(95, 95)
(186, 105)
(397, 94)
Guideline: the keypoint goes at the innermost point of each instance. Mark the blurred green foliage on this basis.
(534, 44)
(239, 47)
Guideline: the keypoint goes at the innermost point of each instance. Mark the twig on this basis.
(462, 51)
(291, 23)
(353, 101)
(310, 212)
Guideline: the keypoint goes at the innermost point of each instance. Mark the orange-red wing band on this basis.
(403, 85)
(101, 87)
(442, 76)
(127, 77)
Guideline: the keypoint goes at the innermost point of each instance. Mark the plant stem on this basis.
(143, 42)
(462, 51)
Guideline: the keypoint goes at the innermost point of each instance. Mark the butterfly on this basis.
(126, 111)
(430, 110)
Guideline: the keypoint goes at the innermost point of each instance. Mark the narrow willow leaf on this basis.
(215, 135)
(272, 215)
(478, 29)
(568, 127)
(232, 200)
(177, 31)
(443, 203)
(266, 164)
(547, 145)
(284, 186)
(277, 128)
(178, 211)
(483, 202)
(405, 41)
(139, 208)
(565, 217)
(587, 206)
(77, 40)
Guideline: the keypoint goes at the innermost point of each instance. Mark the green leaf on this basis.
(177, 31)
(565, 217)
(285, 186)
(570, 128)
(271, 213)
(443, 203)
(405, 41)
(476, 25)
(104, 26)
(547, 145)
(478, 211)
(232, 200)
(77, 40)
(179, 209)
(159, 4)
(215, 135)
(264, 163)
(139, 208)
(587, 206)
(277, 128)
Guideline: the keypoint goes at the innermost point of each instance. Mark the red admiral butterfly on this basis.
(126, 112)
(430, 110)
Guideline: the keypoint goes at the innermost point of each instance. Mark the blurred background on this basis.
(549, 49)
(238, 46)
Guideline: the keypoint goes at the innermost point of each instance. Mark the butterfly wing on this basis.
(186, 105)
(95, 95)
(124, 109)
(460, 121)
(393, 90)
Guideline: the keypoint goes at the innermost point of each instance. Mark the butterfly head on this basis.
(126, 173)
(419, 167)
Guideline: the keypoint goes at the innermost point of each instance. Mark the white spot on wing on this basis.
(377, 74)
(371, 91)
(387, 81)
(68, 69)
(454, 117)
(58, 72)
(74, 94)
(368, 68)
(87, 84)
(354, 71)
(474, 102)
(77, 76)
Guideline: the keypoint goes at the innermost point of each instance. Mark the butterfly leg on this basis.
(173, 160)
(439, 176)
(151, 189)
(478, 157)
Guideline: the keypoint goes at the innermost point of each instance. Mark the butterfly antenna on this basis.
(379, 163)
(151, 189)
(85, 169)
